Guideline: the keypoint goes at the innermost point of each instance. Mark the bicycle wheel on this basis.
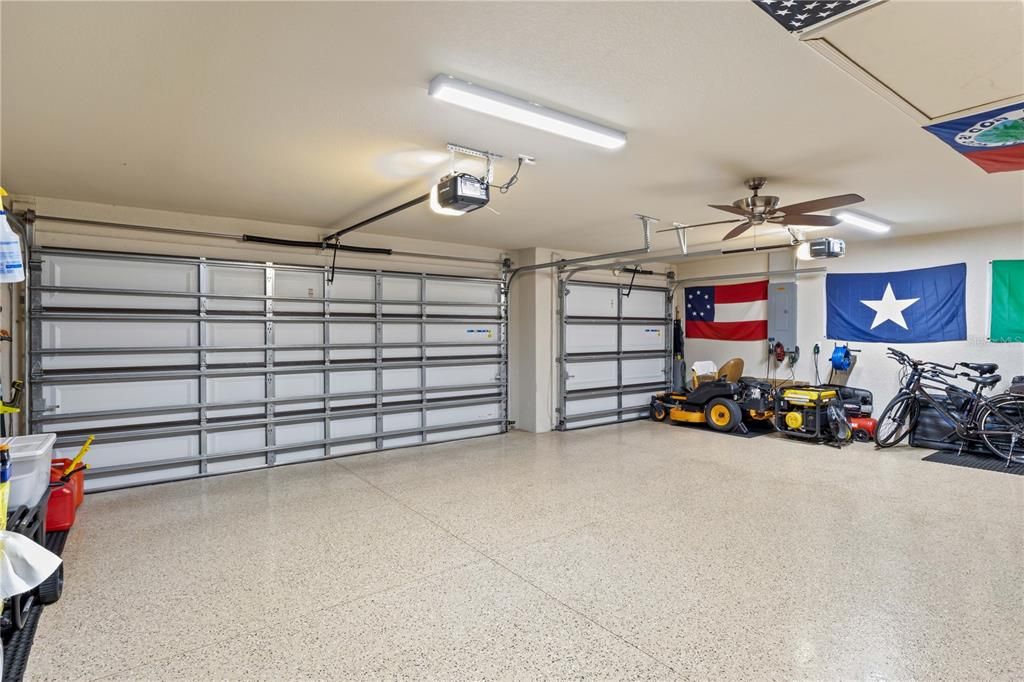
(897, 421)
(1001, 427)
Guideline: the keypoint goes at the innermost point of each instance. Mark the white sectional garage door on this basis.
(185, 367)
(615, 351)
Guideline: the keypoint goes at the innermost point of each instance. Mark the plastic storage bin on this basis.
(30, 467)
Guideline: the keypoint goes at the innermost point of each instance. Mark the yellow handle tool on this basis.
(78, 458)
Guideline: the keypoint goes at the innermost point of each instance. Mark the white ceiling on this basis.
(317, 114)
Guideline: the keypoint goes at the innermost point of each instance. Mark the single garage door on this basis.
(615, 351)
(186, 367)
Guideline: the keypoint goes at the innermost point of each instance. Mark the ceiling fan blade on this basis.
(808, 220)
(687, 227)
(737, 231)
(730, 209)
(820, 204)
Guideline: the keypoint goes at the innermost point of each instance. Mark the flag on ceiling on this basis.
(994, 139)
(799, 15)
(909, 306)
(1007, 324)
(728, 312)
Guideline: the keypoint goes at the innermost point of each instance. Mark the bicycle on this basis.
(997, 421)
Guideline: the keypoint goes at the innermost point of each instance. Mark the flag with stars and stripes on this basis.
(800, 15)
(728, 312)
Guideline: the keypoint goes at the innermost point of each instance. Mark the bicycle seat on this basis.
(990, 380)
(981, 367)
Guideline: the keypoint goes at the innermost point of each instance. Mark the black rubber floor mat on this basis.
(753, 430)
(989, 463)
(19, 645)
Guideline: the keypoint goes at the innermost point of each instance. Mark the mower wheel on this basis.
(723, 414)
(659, 412)
(49, 590)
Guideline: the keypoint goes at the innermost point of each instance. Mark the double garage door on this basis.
(615, 351)
(187, 367)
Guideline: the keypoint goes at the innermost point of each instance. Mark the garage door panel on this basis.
(295, 434)
(125, 453)
(352, 332)
(646, 371)
(244, 383)
(439, 377)
(591, 301)
(118, 395)
(297, 284)
(353, 448)
(220, 442)
(637, 400)
(643, 337)
(595, 390)
(68, 334)
(644, 303)
(456, 434)
(457, 415)
(123, 361)
(355, 426)
(454, 291)
(299, 385)
(591, 338)
(235, 389)
(395, 379)
(353, 382)
(583, 375)
(65, 270)
(235, 282)
(118, 302)
(235, 334)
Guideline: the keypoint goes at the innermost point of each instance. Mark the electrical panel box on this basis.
(782, 314)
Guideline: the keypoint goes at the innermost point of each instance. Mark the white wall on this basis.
(874, 371)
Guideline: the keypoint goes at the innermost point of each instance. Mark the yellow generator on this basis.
(812, 412)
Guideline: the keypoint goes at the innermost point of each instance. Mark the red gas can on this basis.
(60, 511)
(65, 496)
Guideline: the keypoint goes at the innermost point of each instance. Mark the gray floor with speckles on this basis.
(634, 551)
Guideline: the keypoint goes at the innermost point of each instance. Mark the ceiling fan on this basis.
(758, 210)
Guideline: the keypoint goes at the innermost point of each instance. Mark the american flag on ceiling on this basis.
(800, 15)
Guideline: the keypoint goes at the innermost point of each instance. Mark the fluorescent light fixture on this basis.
(521, 111)
(863, 222)
(436, 206)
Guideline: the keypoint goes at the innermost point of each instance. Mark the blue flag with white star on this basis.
(907, 306)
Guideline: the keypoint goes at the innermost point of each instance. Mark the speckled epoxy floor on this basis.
(633, 551)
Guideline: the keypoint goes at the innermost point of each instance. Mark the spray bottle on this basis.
(11, 268)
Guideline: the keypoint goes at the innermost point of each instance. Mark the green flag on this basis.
(1007, 301)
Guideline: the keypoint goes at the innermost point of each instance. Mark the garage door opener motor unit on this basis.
(462, 192)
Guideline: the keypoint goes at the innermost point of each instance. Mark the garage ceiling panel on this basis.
(966, 55)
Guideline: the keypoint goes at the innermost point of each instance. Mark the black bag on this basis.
(934, 432)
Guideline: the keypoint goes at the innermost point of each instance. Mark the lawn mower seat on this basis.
(732, 370)
(703, 370)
